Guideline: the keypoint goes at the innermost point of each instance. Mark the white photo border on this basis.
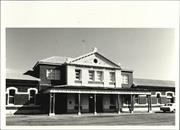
(87, 14)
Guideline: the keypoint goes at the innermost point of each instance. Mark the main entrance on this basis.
(99, 103)
(91, 103)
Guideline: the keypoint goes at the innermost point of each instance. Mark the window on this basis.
(124, 79)
(112, 76)
(76, 99)
(112, 100)
(53, 74)
(170, 94)
(12, 93)
(91, 75)
(137, 99)
(78, 74)
(158, 98)
(32, 96)
(99, 76)
(95, 61)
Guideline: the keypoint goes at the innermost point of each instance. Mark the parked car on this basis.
(168, 107)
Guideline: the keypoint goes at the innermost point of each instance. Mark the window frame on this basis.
(112, 79)
(29, 96)
(8, 92)
(125, 80)
(80, 75)
(93, 75)
(53, 74)
(101, 78)
(158, 98)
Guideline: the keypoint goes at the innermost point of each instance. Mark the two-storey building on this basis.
(90, 83)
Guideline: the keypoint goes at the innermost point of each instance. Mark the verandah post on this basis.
(95, 113)
(79, 104)
(51, 104)
(119, 111)
(132, 104)
(149, 104)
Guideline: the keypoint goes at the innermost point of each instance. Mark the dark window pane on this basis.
(32, 92)
(78, 74)
(76, 99)
(112, 100)
(11, 100)
(11, 92)
(158, 95)
(31, 100)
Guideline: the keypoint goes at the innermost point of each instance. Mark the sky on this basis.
(149, 52)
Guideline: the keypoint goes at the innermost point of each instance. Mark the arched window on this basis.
(158, 98)
(32, 95)
(170, 97)
(11, 95)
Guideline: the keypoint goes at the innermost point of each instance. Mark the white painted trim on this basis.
(158, 93)
(7, 92)
(142, 95)
(30, 105)
(16, 92)
(93, 91)
(29, 89)
(170, 92)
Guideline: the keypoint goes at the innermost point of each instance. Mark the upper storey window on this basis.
(124, 79)
(99, 76)
(112, 76)
(53, 74)
(78, 74)
(91, 75)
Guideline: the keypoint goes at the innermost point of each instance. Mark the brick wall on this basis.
(21, 99)
(46, 82)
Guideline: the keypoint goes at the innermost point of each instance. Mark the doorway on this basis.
(61, 103)
(91, 103)
(99, 103)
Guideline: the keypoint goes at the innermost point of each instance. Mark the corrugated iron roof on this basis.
(19, 76)
(153, 82)
(56, 59)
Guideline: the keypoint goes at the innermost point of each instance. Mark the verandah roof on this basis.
(153, 83)
(92, 90)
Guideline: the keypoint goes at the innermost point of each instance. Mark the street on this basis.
(90, 119)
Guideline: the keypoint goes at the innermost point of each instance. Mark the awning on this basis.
(95, 91)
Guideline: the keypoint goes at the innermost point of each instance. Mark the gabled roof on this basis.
(58, 60)
(19, 76)
(153, 83)
(95, 51)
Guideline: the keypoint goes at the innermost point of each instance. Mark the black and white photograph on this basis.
(88, 77)
(116, 76)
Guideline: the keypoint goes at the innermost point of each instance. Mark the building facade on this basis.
(90, 83)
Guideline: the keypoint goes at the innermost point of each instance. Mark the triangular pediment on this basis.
(94, 59)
